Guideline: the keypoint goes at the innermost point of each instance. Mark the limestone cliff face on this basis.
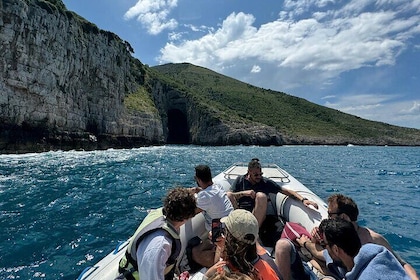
(65, 79)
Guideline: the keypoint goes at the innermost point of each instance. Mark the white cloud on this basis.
(214, 48)
(353, 103)
(328, 97)
(200, 28)
(414, 110)
(300, 7)
(338, 41)
(255, 69)
(154, 15)
(175, 36)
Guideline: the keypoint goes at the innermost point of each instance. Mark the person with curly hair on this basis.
(154, 248)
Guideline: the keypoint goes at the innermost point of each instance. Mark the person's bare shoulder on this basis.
(377, 238)
(365, 235)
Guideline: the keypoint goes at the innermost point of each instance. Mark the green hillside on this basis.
(293, 116)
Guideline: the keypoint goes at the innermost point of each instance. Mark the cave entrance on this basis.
(178, 132)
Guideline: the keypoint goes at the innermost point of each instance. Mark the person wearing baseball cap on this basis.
(242, 225)
(240, 248)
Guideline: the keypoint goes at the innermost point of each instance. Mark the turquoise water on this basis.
(63, 211)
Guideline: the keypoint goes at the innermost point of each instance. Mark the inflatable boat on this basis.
(286, 207)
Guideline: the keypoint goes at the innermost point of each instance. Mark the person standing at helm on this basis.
(154, 248)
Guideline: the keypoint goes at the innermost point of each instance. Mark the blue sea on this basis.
(64, 211)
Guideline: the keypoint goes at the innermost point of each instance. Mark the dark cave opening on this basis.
(178, 132)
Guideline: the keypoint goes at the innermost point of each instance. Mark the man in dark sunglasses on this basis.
(256, 193)
(344, 207)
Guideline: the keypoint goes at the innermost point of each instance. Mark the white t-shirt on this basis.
(214, 203)
(152, 254)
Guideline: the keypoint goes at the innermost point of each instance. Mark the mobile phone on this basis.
(216, 229)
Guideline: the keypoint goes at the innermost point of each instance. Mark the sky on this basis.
(358, 56)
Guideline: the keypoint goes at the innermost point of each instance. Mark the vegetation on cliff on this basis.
(296, 118)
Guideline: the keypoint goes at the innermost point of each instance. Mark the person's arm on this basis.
(234, 194)
(238, 195)
(296, 196)
(411, 271)
(236, 191)
(220, 246)
(380, 240)
(216, 268)
(315, 249)
(201, 200)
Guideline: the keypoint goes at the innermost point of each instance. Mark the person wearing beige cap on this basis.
(240, 246)
(237, 248)
(239, 251)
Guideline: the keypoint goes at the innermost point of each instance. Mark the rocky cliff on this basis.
(63, 82)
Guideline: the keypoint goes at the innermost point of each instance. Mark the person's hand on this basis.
(220, 241)
(308, 203)
(302, 239)
(316, 235)
(215, 268)
(250, 193)
(220, 247)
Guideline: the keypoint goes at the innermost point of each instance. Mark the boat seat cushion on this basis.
(292, 231)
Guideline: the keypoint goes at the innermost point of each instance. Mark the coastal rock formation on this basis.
(187, 121)
(63, 82)
(64, 85)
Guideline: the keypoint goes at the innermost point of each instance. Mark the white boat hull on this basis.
(288, 208)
